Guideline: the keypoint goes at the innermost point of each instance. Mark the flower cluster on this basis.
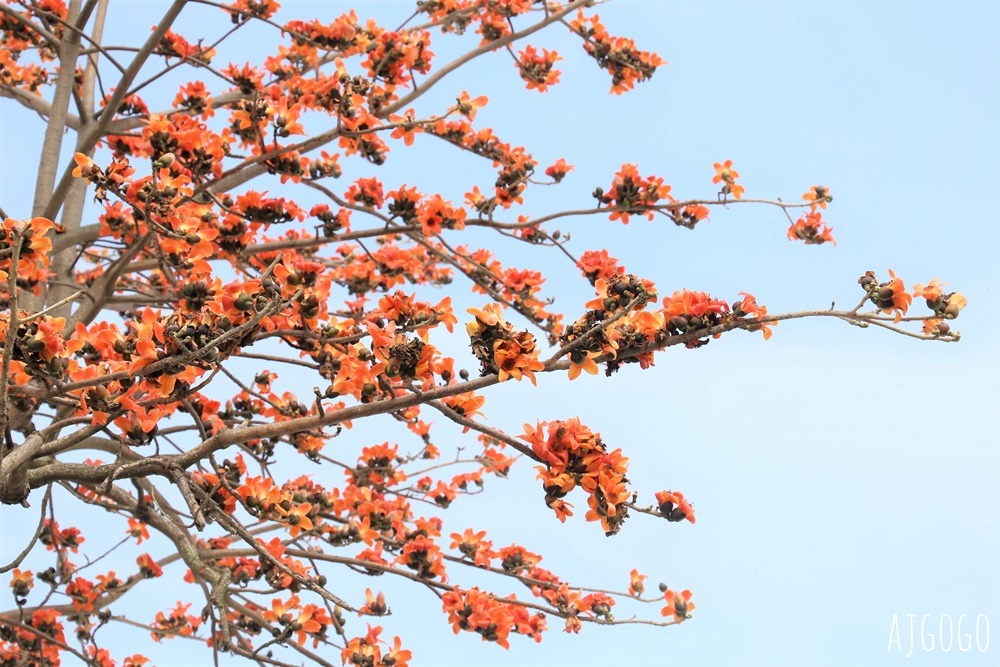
(19, 643)
(175, 623)
(538, 69)
(632, 194)
(34, 245)
(294, 618)
(492, 618)
(811, 229)
(618, 55)
(368, 651)
(574, 456)
(945, 307)
(500, 349)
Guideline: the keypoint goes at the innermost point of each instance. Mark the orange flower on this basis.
(724, 173)
(517, 357)
(559, 170)
(177, 622)
(819, 195)
(398, 656)
(674, 507)
(954, 303)
(937, 327)
(807, 228)
(109, 581)
(138, 530)
(678, 605)
(474, 545)
(892, 297)
(83, 593)
(489, 316)
(374, 606)
(297, 518)
(931, 291)
(407, 129)
(636, 587)
(306, 622)
(946, 305)
(23, 582)
(148, 566)
(281, 609)
(538, 69)
(562, 509)
(468, 106)
(582, 360)
(467, 404)
(85, 168)
(750, 307)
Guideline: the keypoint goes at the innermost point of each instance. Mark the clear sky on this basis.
(841, 476)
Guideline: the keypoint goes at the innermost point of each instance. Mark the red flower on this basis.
(558, 170)
(538, 69)
(148, 567)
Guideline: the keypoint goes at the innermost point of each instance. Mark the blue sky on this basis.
(840, 476)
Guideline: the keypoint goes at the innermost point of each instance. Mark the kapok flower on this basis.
(562, 508)
(85, 168)
(374, 605)
(725, 174)
(891, 296)
(559, 170)
(678, 605)
(819, 195)
(148, 566)
(674, 507)
(517, 357)
(947, 305)
(582, 360)
(83, 594)
(954, 303)
(467, 106)
(931, 291)
(407, 129)
(281, 609)
(297, 518)
(22, 582)
(489, 316)
(397, 656)
(749, 306)
(138, 530)
(936, 327)
(474, 545)
(807, 228)
(636, 587)
(538, 69)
